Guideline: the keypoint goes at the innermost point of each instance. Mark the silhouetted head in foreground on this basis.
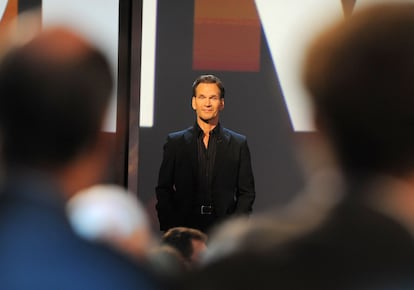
(191, 243)
(54, 93)
(360, 76)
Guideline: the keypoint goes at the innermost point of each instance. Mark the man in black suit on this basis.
(55, 90)
(206, 173)
(360, 76)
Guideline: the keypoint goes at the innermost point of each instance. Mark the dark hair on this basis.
(181, 239)
(54, 92)
(168, 260)
(360, 76)
(209, 79)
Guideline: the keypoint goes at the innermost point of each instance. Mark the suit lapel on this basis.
(223, 140)
(191, 147)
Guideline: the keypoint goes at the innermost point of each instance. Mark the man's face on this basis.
(207, 102)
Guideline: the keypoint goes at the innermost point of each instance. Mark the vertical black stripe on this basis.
(26, 5)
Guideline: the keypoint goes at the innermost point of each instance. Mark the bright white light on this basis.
(289, 26)
(149, 30)
(3, 5)
(97, 20)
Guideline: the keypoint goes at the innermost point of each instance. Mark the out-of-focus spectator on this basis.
(109, 213)
(55, 91)
(191, 243)
(168, 263)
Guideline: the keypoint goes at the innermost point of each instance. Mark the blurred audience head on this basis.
(113, 215)
(168, 262)
(359, 74)
(55, 91)
(191, 243)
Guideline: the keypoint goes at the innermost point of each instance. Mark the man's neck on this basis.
(206, 127)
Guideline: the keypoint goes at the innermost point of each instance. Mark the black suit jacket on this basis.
(233, 182)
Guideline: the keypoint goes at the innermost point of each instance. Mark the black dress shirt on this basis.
(206, 157)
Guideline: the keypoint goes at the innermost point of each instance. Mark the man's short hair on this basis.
(54, 93)
(209, 79)
(360, 74)
(181, 239)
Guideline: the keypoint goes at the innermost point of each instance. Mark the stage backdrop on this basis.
(256, 48)
(157, 49)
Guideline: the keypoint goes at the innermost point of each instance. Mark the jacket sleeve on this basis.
(246, 191)
(165, 188)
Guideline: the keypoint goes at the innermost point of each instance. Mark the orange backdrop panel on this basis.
(226, 35)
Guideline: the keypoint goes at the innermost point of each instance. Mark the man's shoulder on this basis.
(179, 134)
(233, 134)
(188, 132)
